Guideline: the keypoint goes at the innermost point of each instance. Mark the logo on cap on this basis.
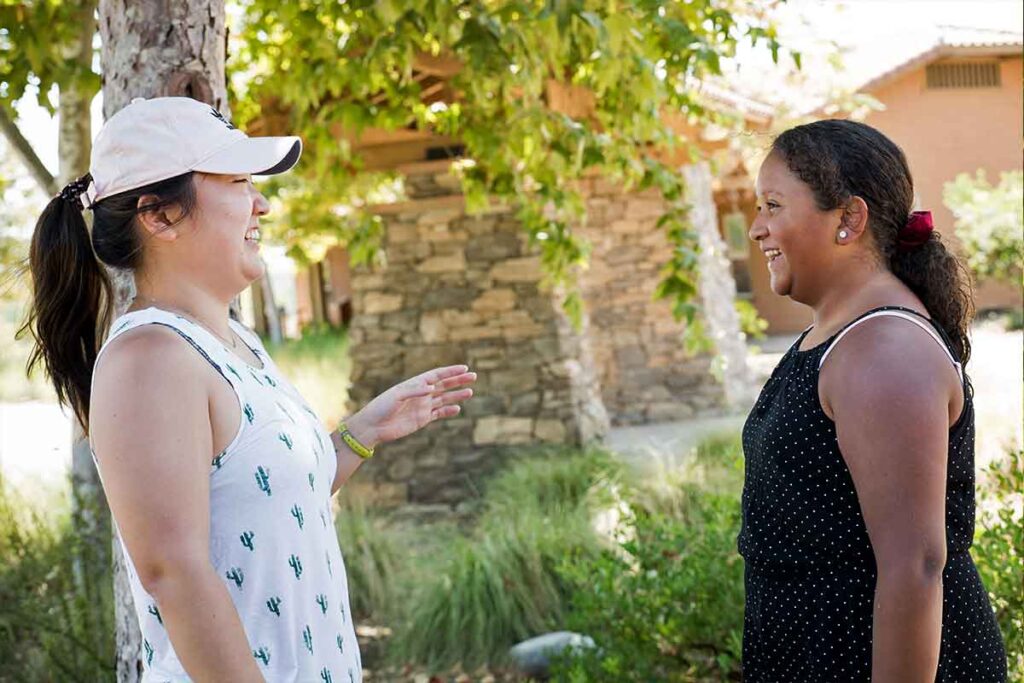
(220, 117)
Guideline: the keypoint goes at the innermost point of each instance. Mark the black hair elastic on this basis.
(74, 190)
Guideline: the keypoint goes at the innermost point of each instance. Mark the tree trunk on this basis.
(155, 48)
(89, 513)
(718, 288)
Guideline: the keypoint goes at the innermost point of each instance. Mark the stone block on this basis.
(407, 253)
(668, 411)
(474, 333)
(493, 247)
(495, 300)
(448, 297)
(642, 208)
(525, 404)
(630, 356)
(626, 254)
(433, 329)
(403, 321)
(513, 381)
(443, 264)
(502, 429)
(480, 406)
(625, 226)
(519, 332)
(401, 468)
(366, 281)
(442, 216)
(375, 302)
(513, 319)
(478, 225)
(550, 431)
(526, 269)
(401, 233)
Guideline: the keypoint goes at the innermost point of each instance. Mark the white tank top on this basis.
(272, 536)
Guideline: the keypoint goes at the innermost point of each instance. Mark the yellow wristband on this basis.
(353, 443)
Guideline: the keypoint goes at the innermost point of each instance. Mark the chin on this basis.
(780, 286)
(252, 275)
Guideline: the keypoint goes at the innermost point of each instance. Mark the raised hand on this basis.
(411, 405)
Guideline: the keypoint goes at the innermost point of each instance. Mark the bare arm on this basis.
(889, 389)
(403, 409)
(152, 437)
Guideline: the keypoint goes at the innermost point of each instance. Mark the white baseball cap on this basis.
(156, 139)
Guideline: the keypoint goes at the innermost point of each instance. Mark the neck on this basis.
(847, 291)
(206, 307)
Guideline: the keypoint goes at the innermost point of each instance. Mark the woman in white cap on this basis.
(218, 474)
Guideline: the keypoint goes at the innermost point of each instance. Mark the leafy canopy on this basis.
(352, 65)
(34, 38)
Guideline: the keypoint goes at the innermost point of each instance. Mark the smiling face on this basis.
(217, 246)
(798, 239)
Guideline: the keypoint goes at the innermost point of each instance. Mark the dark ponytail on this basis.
(841, 159)
(72, 296)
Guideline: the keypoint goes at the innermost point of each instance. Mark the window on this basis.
(963, 75)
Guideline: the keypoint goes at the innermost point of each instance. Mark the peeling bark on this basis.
(154, 48)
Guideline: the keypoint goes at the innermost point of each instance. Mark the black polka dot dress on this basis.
(809, 567)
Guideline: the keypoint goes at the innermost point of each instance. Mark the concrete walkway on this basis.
(664, 447)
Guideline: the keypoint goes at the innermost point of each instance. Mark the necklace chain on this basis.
(194, 319)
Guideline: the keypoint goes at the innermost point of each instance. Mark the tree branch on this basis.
(28, 155)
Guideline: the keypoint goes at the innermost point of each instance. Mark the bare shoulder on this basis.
(149, 351)
(148, 366)
(890, 362)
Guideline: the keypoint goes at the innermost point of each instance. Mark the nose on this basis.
(260, 207)
(759, 228)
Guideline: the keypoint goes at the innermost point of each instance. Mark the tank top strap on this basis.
(910, 315)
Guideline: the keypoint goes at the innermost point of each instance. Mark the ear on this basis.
(155, 223)
(853, 222)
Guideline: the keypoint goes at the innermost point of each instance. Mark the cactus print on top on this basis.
(272, 537)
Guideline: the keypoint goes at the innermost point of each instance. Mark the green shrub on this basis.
(989, 223)
(668, 604)
(553, 480)
(751, 323)
(56, 613)
(319, 366)
(372, 558)
(500, 584)
(999, 552)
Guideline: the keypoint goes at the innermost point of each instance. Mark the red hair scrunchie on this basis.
(916, 232)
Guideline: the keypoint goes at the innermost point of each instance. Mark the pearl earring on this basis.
(842, 234)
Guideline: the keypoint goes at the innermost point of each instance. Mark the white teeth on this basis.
(253, 235)
(771, 254)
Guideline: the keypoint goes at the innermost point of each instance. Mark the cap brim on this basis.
(257, 156)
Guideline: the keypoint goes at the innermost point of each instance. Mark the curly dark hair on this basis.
(841, 159)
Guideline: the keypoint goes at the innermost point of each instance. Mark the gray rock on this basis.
(533, 657)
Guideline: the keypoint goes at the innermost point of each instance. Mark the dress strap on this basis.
(907, 314)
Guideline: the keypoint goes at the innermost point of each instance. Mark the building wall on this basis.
(945, 132)
(466, 289)
(461, 288)
(646, 374)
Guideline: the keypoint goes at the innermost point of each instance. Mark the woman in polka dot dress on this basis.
(218, 474)
(858, 501)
